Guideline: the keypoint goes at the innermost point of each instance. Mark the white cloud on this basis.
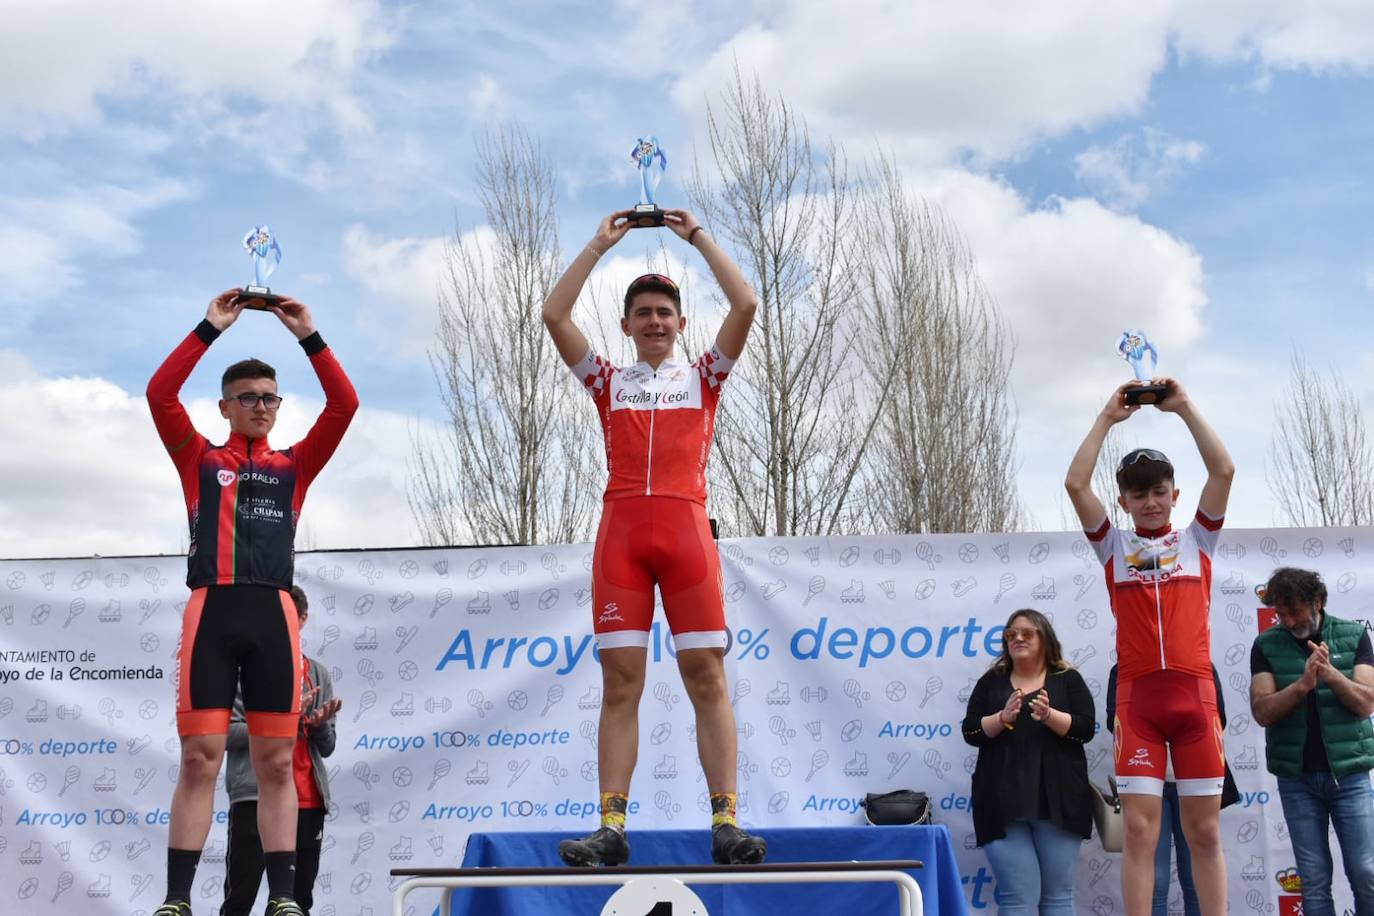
(1319, 36)
(486, 97)
(402, 280)
(1126, 172)
(74, 58)
(937, 79)
(50, 243)
(91, 476)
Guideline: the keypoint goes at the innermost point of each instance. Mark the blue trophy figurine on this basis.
(262, 247)
(648, 157)
(1133, 347)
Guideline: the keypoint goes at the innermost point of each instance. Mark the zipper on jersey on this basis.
(649, 452)
(1159, 622)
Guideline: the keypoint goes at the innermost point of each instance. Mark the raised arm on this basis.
(173, 423)
(1221, 470)
(734, 331)
(340, 400)
(558, 308)
(1079, 481)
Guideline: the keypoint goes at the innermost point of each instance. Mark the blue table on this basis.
(939, 880)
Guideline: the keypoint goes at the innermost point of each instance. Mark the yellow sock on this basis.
(613, 808)
(722, 808)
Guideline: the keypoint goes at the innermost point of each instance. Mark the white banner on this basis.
(471, 695)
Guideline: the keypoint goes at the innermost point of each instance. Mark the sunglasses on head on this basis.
(1143, 454)
(656, 279)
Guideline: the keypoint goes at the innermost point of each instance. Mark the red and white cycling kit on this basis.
(1160, 584)
(658, 425)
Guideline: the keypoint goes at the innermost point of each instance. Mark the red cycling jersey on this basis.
(242, 497)
(1160, 585)
(658, 423)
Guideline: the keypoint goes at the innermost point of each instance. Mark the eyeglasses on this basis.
(250, 400)
(654, 279)
(1014, 634)
(1143, 454)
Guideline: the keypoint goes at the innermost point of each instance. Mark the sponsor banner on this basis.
(471, 693)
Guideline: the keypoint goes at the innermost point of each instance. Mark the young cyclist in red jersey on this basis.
(657, 417)
(1160, 582)
(240, 625)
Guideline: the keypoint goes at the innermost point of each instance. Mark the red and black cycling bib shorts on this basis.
(658, 425)
(232, 635)
(1160, 583)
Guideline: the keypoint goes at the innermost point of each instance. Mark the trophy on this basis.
(647, 154)
(262, 247)
(1132, 347)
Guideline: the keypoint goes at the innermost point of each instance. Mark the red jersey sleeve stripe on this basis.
(1211, 524)
(1100, 531)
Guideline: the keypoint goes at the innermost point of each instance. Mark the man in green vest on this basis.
(1312, 688)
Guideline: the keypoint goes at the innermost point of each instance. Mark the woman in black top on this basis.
(1029, 716)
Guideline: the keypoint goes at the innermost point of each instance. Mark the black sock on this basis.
(181, 871)
(281, 873)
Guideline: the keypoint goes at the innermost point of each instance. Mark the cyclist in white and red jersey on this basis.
(1160, 583)
(657, 417)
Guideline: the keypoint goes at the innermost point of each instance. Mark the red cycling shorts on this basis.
(1167, 714)
(232, 635)
(645, 541)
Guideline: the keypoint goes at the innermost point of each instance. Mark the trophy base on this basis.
(1146, 394)
(259, 298)
(646, 215)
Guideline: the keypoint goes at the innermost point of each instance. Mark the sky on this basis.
(1198, 169)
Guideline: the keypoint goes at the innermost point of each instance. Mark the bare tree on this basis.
(791, 431)
(511, 464)
(1321, 463)
(938, 358)
(1104, 478)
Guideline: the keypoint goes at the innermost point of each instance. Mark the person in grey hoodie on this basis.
(314, 742)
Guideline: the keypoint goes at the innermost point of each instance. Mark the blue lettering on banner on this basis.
(873, 644)
(832, 803)
(979, 880)
(400, 743)
(927, 730)
(956, 802)
(503, 652)
(54, 748)
(877, 643)
(59, 819)
(1254, 798)
(503, 738)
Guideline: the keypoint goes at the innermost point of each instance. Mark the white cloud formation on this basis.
(69, 60)
(1318, 36)
(91, 477)
(402, 278)
(50, 243)
(1128, 171)
(938, 79)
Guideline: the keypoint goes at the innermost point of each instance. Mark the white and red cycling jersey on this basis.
(658, 423)
(1160, 585)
